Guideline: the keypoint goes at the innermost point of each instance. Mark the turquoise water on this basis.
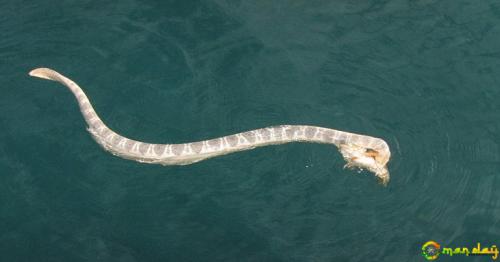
(423, 75)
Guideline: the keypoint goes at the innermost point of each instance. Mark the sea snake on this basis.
(359, 151)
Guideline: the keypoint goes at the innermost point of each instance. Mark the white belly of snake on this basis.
(359, 151)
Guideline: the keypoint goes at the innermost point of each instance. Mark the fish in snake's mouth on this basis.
(365, 158)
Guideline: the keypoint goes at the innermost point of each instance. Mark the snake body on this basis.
(358, 150)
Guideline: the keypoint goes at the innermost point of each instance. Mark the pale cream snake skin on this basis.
(358, 150)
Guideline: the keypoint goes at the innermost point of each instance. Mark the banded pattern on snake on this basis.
(358, 150)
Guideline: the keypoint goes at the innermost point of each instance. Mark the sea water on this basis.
(423, 75)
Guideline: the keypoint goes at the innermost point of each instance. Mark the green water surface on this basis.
(424, 75)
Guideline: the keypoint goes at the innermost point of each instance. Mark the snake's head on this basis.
(366, 158)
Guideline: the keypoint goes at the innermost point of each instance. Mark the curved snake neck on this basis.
(358, 150)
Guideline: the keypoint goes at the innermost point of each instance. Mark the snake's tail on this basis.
(44, 73)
